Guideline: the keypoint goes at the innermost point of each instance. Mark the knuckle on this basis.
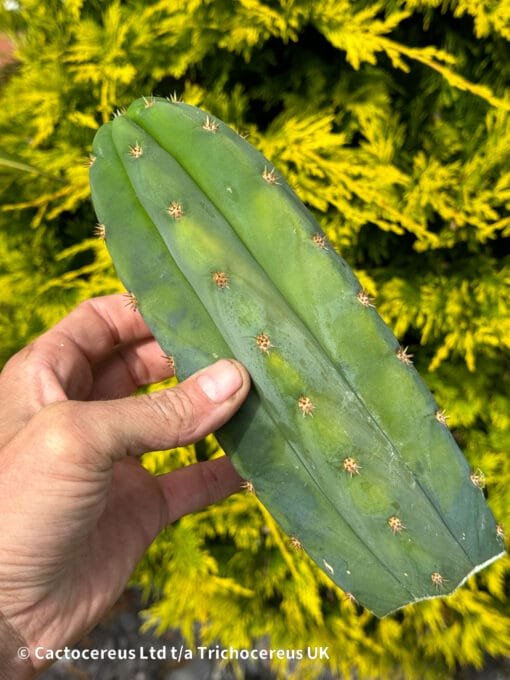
(86, 305)
(211, 482)
(60, 429)
(90, 306)
(87, 310)
(179, 409)
(28, 361)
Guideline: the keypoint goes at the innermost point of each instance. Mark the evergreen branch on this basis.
(280, 543)
(36, 202)
(426, 57)
(9, 162)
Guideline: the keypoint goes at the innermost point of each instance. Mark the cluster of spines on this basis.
(136, 150)
(270, 176)
(295, 543)
(365, 298)
(170, 361)
(403, 355)
(248, 487)
(320, 241)
(174, 98)
(175, 210)
(478, 479)
(100, 231)
(221, 279)
(131, 301)
(210, 125)
(263, 342)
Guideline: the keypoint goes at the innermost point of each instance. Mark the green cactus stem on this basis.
(340, 438)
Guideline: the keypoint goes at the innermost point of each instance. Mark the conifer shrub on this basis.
(391, 120)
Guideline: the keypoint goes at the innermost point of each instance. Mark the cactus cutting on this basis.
(340, 438)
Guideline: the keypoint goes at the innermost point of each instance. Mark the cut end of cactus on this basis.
(442, 592)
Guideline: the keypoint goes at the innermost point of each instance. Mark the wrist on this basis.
(13, 664)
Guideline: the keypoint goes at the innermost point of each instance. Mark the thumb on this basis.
(102, 432)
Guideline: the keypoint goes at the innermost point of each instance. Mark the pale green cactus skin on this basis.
(340, 437)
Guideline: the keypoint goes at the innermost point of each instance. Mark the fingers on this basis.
(85, 337)
(129, 367)
(95, 434)
(125, 370)
(193, 487)
(150, 507)
(101, 343)
(98, 325)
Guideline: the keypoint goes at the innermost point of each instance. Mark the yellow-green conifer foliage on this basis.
(392, 121)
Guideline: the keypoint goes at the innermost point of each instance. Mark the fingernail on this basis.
(220, 381)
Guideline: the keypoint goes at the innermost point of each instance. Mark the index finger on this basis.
(99, 324)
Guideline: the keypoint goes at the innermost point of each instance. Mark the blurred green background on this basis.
(391, 120)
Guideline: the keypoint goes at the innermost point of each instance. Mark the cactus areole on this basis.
(339, 438)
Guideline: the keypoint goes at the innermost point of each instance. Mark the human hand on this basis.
(77, 509)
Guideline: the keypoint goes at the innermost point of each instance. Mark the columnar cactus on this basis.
(340, 438)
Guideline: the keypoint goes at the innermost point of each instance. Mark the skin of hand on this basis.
(78, 510)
